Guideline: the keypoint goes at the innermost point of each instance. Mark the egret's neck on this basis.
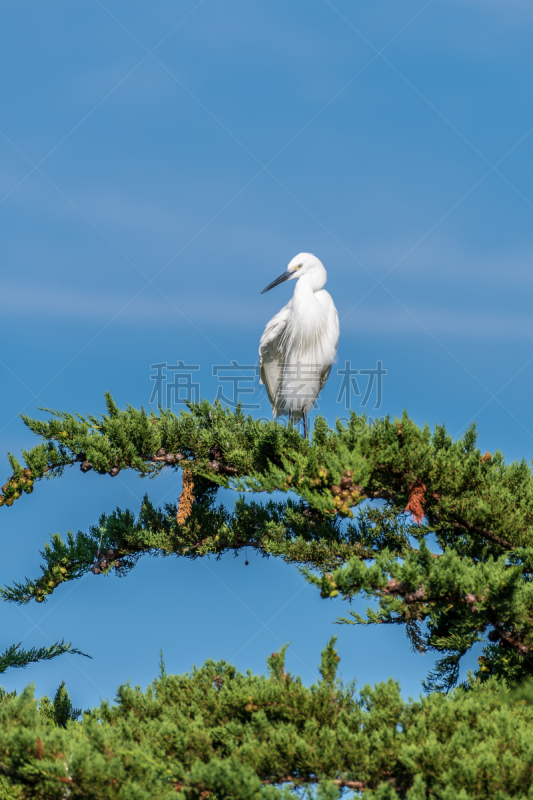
(308, 319)
(310, 283)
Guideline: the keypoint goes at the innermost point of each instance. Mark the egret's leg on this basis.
(306, 434)
(291, 420)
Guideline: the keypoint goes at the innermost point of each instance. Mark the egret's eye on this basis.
(299, 266)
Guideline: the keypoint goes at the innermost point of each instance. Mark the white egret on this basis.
(299, 345)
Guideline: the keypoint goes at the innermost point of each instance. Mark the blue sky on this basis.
(159, 166)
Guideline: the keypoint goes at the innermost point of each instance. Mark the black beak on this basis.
(285, 277)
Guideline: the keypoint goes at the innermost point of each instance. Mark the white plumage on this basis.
(299, 345)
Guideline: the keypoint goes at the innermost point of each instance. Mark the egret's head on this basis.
(302, 264)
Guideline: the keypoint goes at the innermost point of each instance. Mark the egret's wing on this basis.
(324, 376)
(330, 345)
(271, 355)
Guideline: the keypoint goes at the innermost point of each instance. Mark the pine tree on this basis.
(364, 502)
(216, 733)
(59, 710)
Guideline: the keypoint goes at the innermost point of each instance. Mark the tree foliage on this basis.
(60, 710)
(437, 533)
(220, 734)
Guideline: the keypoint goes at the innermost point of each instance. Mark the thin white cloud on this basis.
(440, 257)
(22, 303)
(464, 324)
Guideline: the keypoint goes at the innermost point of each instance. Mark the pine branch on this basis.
(289, 530)
(479, 509)
(458, 598)
(14, 656)
(338, 471)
